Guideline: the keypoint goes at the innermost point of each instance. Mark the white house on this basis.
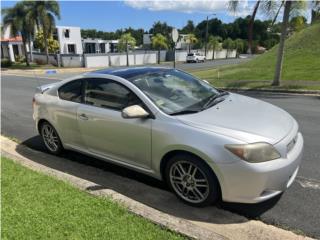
(97, 45)
(69, 39)
(11, 46)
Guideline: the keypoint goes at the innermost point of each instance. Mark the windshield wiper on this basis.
(184, 112)
(213, 98)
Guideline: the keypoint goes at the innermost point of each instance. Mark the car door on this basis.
(65, 113)
(105, 132)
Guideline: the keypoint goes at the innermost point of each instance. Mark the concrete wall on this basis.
(182, 54)
(42, 57)
(68, 60)
(95, 60)
(116, 60)
(147, 58)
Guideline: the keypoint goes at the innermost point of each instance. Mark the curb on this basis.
(210, 223)
(275, 91)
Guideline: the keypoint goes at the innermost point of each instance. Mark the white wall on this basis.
(145, 58)
(181, 56)
(71, 60)
(116, 60)
(74, 38)
(232, 54)
(93, 60)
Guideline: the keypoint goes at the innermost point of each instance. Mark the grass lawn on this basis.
(36, 206)
(301, 68)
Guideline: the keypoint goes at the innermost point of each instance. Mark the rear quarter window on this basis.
(71, 91)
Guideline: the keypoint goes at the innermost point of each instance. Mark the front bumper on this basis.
(256, 182)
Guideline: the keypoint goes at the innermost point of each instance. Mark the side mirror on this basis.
(134, 111)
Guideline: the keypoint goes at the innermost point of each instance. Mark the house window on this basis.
(66, 33)
(90, 48)
(71, 48)
(102, 47)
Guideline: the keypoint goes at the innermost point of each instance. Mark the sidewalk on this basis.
(157, 205)
(31, 72)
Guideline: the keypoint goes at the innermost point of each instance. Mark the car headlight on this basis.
(254, 152)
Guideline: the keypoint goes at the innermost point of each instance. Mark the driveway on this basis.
(297, 209)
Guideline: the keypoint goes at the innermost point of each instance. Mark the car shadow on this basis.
(139, 187)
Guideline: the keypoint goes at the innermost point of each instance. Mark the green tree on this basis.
(268, 7)
(214, 43)
(189, 28)
(125, 42)
(239, 46)
(297, 23)
(45, 12)
(290, 8)
(159, 42)
(21, 23)
(161, 27)
(53, 45)
(190, 40)
(229, 45)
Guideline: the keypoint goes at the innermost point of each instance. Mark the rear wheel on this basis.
(192, 180)
(51, 138)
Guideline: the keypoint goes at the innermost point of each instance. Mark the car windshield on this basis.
(174, 91)
(190, 54)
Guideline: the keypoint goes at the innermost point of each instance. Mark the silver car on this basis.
(207, 144)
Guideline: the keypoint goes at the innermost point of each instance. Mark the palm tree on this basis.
(159, 42)
(125, 42)
(268, 7)
(315, 10)
(214, 43)
(44, 13)
(20, 23)
(191, 39)
(290, 7)
(229, 45)
(239, 46)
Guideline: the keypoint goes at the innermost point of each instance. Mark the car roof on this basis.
(131, 72)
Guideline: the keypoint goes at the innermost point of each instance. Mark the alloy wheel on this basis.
(189, 182)
(50, 137)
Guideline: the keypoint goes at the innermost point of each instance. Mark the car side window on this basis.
(106, 93)
(71, 91)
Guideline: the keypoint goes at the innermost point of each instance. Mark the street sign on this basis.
(175, 35)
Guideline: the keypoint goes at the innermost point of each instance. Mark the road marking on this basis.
(308, 183)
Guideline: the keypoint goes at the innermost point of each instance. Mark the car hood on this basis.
(244, 118)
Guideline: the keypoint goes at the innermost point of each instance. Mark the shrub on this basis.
(5, 63)
(20, 59)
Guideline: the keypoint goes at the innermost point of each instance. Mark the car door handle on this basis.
(83, 116)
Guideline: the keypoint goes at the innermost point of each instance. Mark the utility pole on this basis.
(206, 40)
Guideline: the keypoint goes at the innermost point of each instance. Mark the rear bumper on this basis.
(256, 182)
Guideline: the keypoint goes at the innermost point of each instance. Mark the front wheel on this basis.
(192, 180)
(51, 138)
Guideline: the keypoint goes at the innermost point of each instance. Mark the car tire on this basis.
(183, 181)
(51, 138)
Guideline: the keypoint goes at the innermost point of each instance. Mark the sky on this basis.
(113, 15)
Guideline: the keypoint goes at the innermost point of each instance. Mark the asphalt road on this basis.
(297, 209)
(208, 64)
